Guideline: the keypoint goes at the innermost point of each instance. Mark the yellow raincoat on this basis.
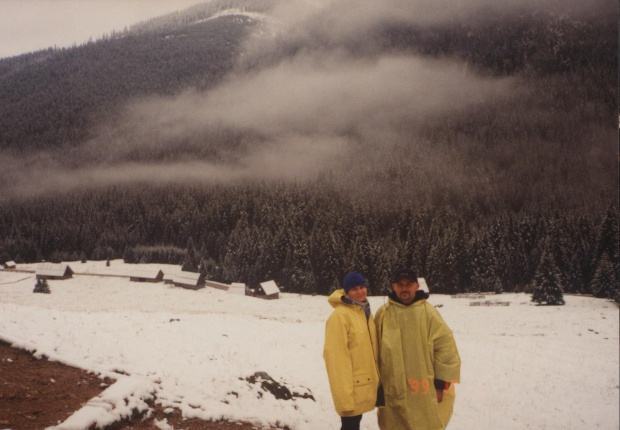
(350, 355)
(415, 347)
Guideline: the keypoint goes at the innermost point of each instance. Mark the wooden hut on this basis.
(189, 280)
(146, 275)
(218, 285)
(54, 271)
(423, 285)
(238, 288)
(169, 277)
(10, 265)
(268, 290)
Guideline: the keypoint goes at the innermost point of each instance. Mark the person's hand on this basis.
(439, 395)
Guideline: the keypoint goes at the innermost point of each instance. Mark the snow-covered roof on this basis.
(51, 269)
(215, 284)
(270, 287)
(104, 271)
(9, 264)
(186, 278)
(237, 288)
(146, 272)
(423, 285)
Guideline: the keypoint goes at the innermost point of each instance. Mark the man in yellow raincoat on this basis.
(350, 352)
(418, 359)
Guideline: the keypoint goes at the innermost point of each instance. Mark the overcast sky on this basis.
(31, 25)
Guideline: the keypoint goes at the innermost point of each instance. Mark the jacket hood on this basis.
(335, 299)
(419, 295)
(339, 298)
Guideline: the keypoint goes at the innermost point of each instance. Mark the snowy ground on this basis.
(524, 366)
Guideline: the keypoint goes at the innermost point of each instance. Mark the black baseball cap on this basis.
(404, 273)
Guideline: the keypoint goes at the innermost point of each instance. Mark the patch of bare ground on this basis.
(38, 393)
(176, 421)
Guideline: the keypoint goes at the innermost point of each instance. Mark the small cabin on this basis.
(190, 280)
(238, 288)
(218, 285)
(10, 265)
(268, 290)
(54, 271)
(423, 285)
(169, 277)
(146, 275)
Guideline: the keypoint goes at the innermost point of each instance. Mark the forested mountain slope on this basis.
(54, 98)
(296, 143)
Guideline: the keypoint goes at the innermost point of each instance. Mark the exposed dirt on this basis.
(37, 393)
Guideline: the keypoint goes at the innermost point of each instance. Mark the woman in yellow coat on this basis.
(350, 352)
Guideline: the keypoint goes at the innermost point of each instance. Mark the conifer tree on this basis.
(263, 267)
(485, 275)
(240, 247)
(360, 255)
(606, 249)
(298, 273)
(548, 280)
(192, 260)
(326, 258)
(41, 286)
(129, 256)
(381, 273)
(303, 280)
(605, 281)
(441, 266)
(607, 241)
(585, 261)
(4, 256)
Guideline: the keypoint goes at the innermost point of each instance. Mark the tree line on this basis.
(306, 238)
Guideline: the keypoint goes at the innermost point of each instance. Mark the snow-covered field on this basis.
(524, 366)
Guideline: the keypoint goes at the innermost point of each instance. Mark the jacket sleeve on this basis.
(338, 363)
(447, 362)
(379, 330)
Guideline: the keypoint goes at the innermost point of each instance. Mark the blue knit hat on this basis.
(352, 280)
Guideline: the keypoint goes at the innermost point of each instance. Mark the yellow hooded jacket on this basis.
(416, 347)
(350, 354)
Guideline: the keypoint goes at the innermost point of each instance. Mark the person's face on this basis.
(405, 290)
(358, 293)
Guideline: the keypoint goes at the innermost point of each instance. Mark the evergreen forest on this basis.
(499, 196)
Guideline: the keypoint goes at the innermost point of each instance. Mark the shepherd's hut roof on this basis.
(190, 279)
(237, 288)
(423, 285)
(146, 273)
(54, 270)
(270, 287)
(218, 285)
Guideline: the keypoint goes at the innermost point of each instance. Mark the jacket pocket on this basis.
(364, 389)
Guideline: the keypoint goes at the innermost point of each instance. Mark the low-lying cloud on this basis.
(292, 119)
(322, 96)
